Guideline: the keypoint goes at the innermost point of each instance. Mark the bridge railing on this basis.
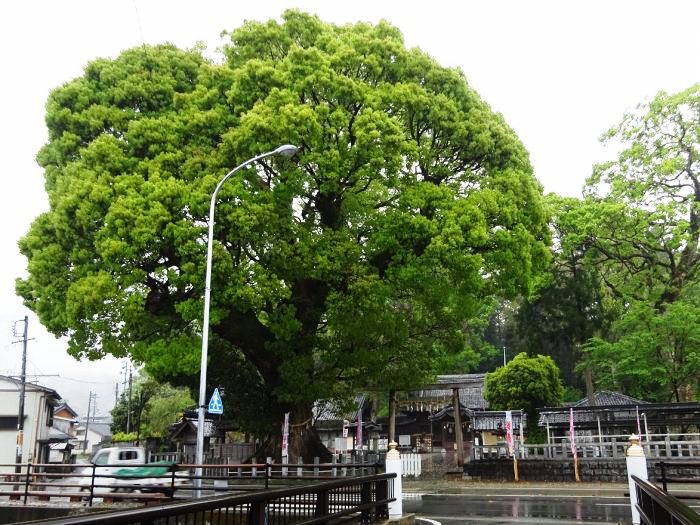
(116, 482)
(367, 497)
(657, 507)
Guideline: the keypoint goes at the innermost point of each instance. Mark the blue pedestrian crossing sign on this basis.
(215, 404)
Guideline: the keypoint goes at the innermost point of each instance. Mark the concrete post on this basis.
(393, 464)
(637, 466)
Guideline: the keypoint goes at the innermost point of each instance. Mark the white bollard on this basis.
(393, 464)
(637, 466)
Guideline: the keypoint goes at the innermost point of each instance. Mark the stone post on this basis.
(637, 466)
(393, 464)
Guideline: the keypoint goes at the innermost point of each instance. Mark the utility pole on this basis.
(126, 367)
(91, 403)
(128, 406)
(22, 389)
(116, 393)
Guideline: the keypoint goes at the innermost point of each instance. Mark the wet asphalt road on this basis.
(456, 503)
(453, 509)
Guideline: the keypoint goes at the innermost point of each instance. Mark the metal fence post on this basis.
(26, 482)
(365, 497)
(92, 485)
(321, 504)
(258, 513)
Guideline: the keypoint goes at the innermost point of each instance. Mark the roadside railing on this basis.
(656, 507)
(161, 482)
(665, 478)
(366, 497)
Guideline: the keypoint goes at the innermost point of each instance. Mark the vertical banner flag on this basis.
(285, 435)
(509, 431)
(358, 436)
(639, 427)
(572, 436)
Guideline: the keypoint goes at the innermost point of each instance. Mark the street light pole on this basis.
(286, 150)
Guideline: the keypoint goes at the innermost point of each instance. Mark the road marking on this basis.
(417, 495)
(502, 519)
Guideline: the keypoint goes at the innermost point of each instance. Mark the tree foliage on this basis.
(638, 229)
(525, 383)
(360, 263)
(572, 306)
(150, 409)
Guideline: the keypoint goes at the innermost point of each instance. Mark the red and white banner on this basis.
(358, 435)
(509, 432)
(285, 435)
(572, 434)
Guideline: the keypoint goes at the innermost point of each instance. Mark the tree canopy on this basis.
(635, 234)
(358, 263)
(150, 409)
(525, 383)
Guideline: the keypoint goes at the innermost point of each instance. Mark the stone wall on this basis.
(563, 470)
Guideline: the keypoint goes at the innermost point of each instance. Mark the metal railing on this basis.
(47, 481)
(665, 478)
(366, 497)
(658, 508)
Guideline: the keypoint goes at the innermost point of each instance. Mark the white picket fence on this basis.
(410, 465)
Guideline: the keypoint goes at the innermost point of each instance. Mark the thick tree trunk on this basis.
(304, 441)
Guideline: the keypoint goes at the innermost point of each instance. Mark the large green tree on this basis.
(525, 383)
(359, 263)
(640, 225)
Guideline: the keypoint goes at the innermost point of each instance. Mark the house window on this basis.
(49, 415)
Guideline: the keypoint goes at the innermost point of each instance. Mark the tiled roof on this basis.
(470, 393)
(330, 411)
(588, 415)
(192, 424)
(607, 398)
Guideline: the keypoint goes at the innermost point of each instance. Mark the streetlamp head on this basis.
(286, 150)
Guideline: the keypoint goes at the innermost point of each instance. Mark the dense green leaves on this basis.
(359, 263)
(150, 408)
(525, 383)
(638, 231)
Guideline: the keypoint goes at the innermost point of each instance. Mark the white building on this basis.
(39, 403)
(98, 434)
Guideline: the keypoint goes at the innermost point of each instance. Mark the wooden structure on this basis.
(616, 414)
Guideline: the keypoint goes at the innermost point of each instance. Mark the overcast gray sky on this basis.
(561, 72)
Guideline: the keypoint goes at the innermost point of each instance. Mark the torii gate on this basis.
(457, 415)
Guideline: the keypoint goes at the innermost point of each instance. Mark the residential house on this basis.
(64, 429)
(39, 405)
(92, 434)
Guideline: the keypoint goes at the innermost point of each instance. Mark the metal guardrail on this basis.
(318, 503)
(658, 508)
(665, 479)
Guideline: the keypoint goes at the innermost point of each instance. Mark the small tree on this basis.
(525, 383)
(154, 407)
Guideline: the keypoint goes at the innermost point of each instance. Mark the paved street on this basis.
(452, 503)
